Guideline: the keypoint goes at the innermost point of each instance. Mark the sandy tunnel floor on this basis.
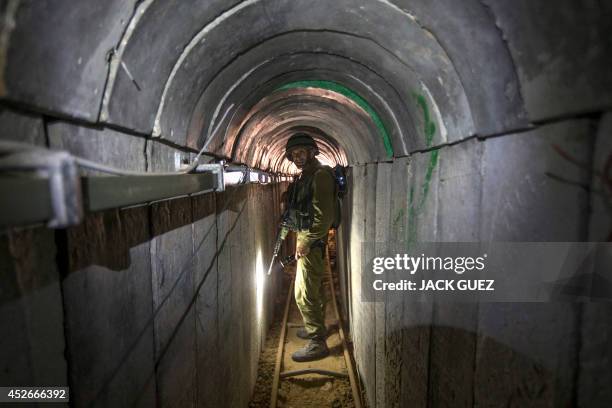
(306, 390)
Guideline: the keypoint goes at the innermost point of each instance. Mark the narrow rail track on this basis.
(281, 375)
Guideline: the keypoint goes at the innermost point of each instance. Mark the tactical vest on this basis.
(299, 201)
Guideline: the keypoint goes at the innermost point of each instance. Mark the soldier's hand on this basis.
(301, 251)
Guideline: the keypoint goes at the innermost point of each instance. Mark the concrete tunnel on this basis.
(473, 121)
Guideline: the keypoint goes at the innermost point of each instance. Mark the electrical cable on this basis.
(91, 165)
(17, 147)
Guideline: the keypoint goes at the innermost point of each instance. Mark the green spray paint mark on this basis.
(416, 209)
(430, 127)
(411, 231)
(433, 161)
(362, 103)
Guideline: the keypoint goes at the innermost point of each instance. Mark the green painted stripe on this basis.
(352, 95)
(429, 125)
(415, 209)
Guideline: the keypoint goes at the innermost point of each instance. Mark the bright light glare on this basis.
(326, 161)
(231, 178)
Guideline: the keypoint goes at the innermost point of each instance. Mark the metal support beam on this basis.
(24, 202)
(39, 185)
(28, 200)
(102, 193)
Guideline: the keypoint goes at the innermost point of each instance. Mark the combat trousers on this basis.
(309, 292)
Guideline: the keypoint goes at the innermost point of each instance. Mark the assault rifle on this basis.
(285, 226)
(290, 221)
(288, 224)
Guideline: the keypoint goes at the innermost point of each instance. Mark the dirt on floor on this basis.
(307, 390)
(265, 373)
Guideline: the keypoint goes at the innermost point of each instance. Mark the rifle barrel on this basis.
(271, 264)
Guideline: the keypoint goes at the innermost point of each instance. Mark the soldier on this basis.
(313, 194)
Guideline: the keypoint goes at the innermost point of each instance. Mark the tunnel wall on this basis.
(516, 187)
(150, 305)
(543, 182)
(92, 76)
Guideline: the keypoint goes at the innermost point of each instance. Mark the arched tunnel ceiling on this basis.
(186, 68)
(341, 127)
(352, 37)
(312, 56)
(416, 54)
(211, 108)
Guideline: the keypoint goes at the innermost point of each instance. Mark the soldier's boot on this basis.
(316, 349)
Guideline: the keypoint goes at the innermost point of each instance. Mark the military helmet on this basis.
(300, 139)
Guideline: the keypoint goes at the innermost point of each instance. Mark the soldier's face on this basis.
(301, 156)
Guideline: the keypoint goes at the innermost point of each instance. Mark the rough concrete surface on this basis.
(31, 310)
(21, 127)
(57, 54)
(479, 120)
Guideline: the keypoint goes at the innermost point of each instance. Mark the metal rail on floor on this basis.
(347, 355)
(294, 373)
(278, 375)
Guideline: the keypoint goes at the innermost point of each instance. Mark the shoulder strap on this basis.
(329, 171)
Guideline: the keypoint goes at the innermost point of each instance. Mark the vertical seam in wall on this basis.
(482, 143)
(427, 391)
(476, 337)
(146, 157)
(384, 313)
(593, 130)
(432, 327)
(401, 347)
(45, 123)
(217, 272)
(153, 316)
(349, 279)
(151, 263)
(195, 305)
(576, 379)
(374, 398)
(429, 354)
(63, 265)
(62, 262)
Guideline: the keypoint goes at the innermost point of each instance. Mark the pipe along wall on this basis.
(459, 121)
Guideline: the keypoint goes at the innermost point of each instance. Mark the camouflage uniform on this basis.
(309, 294)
